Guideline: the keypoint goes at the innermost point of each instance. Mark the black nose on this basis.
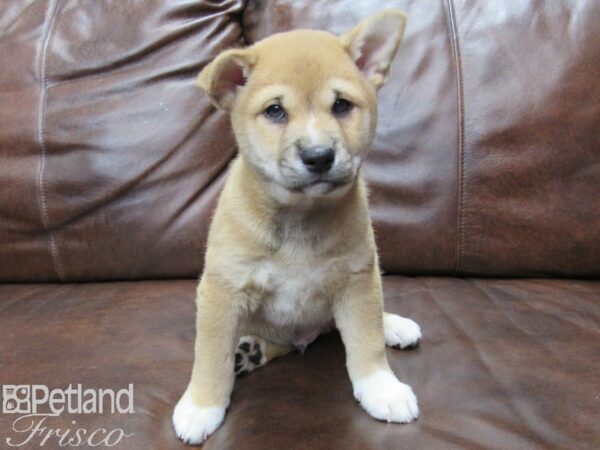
(318, 159)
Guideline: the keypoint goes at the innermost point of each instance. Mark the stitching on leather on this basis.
(56, 260)
(461, 136)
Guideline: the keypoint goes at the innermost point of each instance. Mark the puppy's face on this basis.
(303, 104)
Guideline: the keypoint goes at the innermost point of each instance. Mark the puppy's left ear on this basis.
(228, 72)
(373, 43)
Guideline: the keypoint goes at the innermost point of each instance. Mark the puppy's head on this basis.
(303, 103)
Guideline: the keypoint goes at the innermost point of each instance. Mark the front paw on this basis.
(193, 424)
(386, 398)
(400, 331)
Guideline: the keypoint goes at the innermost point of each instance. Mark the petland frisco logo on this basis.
(37, 405)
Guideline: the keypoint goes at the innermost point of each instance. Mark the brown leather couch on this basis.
(485, 189)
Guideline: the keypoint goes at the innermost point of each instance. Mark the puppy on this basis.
(291, 251)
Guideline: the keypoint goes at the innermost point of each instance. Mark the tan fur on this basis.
(281, 262)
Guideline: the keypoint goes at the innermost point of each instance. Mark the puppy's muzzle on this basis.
(318, 160)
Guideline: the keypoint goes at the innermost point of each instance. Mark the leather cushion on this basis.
(503, 364)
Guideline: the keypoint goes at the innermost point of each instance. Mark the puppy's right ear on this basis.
(225, 75)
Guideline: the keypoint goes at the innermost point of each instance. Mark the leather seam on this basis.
(42, 198)
(460, 241)
(241, 15)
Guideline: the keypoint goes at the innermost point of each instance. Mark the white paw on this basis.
(386, 398)
(400, 331)
(194, 424)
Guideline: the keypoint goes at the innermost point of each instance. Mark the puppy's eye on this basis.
(276, 113)
(341, 107)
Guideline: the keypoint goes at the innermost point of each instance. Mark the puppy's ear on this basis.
(373, 43)
(224, 75)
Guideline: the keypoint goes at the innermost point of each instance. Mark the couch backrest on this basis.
(486, 162)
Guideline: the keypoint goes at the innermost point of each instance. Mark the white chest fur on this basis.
(295, 289)
(296, 293)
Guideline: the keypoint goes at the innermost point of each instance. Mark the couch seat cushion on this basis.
(503, 364)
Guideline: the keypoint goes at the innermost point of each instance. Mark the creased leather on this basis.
(503, 364)
(134, 153)
(486, 160)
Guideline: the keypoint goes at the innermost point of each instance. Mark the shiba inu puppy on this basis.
(291, 251)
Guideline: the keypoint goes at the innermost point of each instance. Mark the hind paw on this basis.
(401, 332)
(250, 354)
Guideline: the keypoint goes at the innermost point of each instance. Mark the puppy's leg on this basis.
(400, 332)
(359, 317)
(202, 407)
(254, 351)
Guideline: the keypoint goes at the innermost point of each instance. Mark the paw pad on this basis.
(249, 355)
(410, 346)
